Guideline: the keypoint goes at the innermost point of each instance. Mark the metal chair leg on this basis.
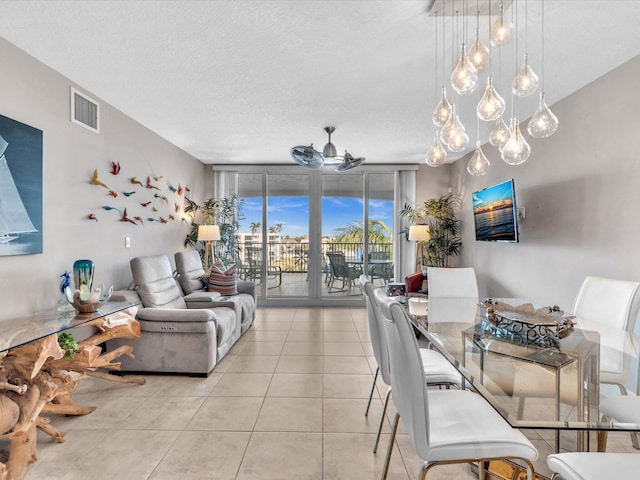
(373, 387)
(392, 439)
(481, 471)
(382, 415)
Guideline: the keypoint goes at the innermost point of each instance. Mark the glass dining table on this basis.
(534, 386)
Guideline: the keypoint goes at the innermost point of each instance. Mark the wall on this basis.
(581, 197)
(38, 96)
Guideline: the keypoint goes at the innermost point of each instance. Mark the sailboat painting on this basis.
(20, 188)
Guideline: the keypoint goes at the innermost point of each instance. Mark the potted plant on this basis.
(225, 212)
(440, 215)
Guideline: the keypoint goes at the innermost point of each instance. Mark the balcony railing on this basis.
(293, 257)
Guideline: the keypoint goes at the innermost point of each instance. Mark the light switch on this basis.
(127, 242)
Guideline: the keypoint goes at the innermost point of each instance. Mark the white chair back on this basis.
(407, 373)
(610, 303)
(452, 282)
(376, 329)
(610, 307)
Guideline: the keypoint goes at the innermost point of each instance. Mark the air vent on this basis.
(85, 111)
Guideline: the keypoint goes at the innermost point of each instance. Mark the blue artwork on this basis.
(20, 188)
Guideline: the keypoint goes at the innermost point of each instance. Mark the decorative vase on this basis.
(83, 273)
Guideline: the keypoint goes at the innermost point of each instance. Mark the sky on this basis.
(293, 213)
(492, 194)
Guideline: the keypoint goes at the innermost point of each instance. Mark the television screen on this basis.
(495, 214)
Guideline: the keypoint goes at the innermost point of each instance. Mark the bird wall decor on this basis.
(125, 218)
(150, 185)
(96, 181)
(171, 212)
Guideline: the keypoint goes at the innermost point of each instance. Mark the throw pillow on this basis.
(204, 278)
(224, 281)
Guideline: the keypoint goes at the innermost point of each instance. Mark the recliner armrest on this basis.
(125, 296)
(245, 286)
(176, 315)
(204, 299)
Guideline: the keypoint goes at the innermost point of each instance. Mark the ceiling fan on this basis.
(307, 156)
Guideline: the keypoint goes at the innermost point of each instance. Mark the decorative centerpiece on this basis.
(85, 298)
(88, 301)
(542, 326)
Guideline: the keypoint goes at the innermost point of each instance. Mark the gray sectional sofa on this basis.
(184, 329)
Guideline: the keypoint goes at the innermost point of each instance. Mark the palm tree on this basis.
(444, 228)
(353, 233)
(277, 228)
(254, 227)
(225, 212)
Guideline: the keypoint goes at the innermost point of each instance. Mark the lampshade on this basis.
(419, 233)
(208, 232)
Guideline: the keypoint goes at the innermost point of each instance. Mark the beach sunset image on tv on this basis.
(494, 213)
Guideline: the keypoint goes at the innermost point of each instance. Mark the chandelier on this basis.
(307, 156)
(469, 63)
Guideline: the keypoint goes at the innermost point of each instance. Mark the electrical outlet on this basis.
(127, 242)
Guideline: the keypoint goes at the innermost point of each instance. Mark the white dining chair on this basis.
(610, 307)
(445, 426)
(452, 282)
(440, 371)
(623, 409)
(593, 465)
(607, 305)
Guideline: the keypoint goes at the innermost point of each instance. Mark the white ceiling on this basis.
(242, 81)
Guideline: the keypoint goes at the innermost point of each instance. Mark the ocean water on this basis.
(495, 225)
(25, 244)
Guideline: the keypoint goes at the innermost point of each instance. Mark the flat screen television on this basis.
(495, 214)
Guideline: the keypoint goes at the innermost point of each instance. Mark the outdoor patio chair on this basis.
(342, 271)
(380, 267)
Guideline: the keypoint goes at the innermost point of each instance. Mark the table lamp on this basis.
(207, 234)
(420, 233)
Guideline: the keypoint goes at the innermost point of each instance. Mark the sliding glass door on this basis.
(302, 237)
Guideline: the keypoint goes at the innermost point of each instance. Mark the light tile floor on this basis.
(286, 403)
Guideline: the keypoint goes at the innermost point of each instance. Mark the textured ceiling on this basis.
(243, 81)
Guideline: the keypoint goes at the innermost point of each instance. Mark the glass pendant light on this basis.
(457, 139)
(526, 81)
(442, 111)
(491, 106)
(436, 155)
(479, 53)
(544, 123)
(500, 30)
(516, 150)
(500, 134)
(447, 128)
(478, 164)
(464, 77)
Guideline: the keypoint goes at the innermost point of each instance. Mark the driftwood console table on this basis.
(36, 379)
